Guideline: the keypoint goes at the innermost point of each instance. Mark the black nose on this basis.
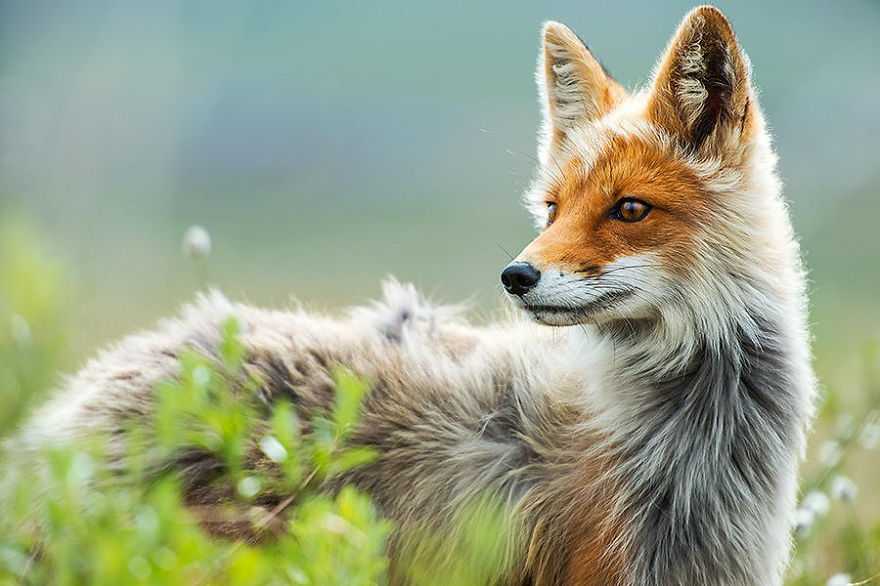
(519, 278)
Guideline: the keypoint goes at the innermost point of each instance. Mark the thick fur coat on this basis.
(651, 438)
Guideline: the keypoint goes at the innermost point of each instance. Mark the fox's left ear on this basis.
(574, 86)
(702, 90)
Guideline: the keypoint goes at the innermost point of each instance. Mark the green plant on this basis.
(836, 543)
(32, 334)
(95, 526)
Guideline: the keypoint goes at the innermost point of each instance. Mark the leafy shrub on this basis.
(96, 527)
(90, 525)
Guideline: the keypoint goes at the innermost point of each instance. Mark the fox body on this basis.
(652, 436)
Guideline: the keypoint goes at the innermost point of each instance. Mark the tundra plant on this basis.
(128, 524)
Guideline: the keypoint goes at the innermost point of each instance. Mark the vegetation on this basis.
(90, 526)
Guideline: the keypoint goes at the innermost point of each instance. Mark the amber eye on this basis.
(630, 209)
(551, 212)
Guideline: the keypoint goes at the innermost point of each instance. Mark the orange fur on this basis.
(595, 558)
(584, 238)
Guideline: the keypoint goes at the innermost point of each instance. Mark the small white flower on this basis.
(21, 331)
(839, 580)
(845, 426)
(81, 470)
(830, 453)
(201, 376)
(146, 520)
(335, 524)
(273, 449)
(249, 486)
(298, 576)
(844, 489)
(817, 502)
(871, 435)
(803, 521)
(196, 242)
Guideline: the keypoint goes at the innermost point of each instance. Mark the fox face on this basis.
(649, 200)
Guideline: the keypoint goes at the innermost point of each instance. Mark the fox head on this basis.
(659, 202)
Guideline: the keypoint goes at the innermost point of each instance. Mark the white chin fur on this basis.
(629, 288)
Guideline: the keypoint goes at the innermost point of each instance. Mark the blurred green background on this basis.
(327, 144)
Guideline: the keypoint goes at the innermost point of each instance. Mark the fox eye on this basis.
(551, 212)
(630, 209)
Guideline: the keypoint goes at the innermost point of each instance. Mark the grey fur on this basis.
(456, 411)
(703, 464)
(654, 451)
(452, 412)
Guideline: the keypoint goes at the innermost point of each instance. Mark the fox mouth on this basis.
(567, 314)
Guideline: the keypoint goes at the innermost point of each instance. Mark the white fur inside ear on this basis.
(702, 83)
(567, 89)
(689, 88)
(574, 88)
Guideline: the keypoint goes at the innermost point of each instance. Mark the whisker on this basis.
(592, 268)
(504, 250)
(518, 154)
(641, 266)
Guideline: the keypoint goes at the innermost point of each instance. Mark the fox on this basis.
(644, 411)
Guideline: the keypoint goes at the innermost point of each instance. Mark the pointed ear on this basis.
(702, 88)
(574, 86)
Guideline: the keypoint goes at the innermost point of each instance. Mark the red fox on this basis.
(646, 424)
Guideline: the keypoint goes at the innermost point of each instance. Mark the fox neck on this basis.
(707, 424)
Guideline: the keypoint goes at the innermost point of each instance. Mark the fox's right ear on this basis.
(574, 86)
